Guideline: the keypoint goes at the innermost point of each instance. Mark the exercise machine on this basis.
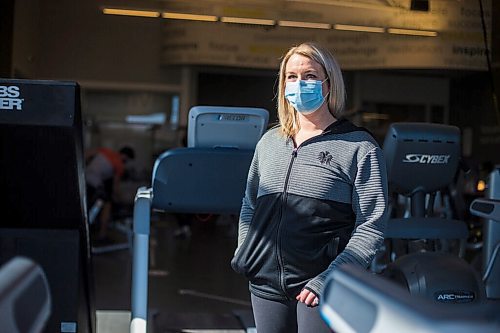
(356, 300)
(426, 292)
(422, 159)
(207, 177)
(25, 302)
(488, 208)
(42, 197)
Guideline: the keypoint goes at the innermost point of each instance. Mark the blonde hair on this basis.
(288, 117)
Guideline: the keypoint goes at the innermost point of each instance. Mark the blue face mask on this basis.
(305, 96)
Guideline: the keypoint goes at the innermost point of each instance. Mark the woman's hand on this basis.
(308, 298)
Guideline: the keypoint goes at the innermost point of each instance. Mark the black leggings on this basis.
(286, 317)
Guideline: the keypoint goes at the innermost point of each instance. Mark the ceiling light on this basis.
(130, 12)
(412, 32)
(244, 20)
(359, 28)
(192, 17)
(352, 4)
(297, 24)
(158, 118)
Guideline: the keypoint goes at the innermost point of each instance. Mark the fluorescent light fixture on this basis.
(130, 12)
(352, 4)
(411, 32)
(244, 20)
(191, 17)
(359, 28)
(148, 119)
(297, 24)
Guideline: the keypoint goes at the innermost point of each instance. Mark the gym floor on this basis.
(192, 287)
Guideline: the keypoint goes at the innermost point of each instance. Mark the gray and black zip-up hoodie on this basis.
(309, 209)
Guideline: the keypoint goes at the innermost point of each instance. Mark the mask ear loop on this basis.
(325, 98)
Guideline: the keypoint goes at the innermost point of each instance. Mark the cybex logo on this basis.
(9, 98)
(426, 159)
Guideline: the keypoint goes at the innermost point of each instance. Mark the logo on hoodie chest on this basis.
(325, 158)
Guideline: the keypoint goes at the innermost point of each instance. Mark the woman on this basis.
(316, 196)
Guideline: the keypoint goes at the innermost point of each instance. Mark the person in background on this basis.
(103, 172)
(316, 197)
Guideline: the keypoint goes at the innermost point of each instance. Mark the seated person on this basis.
(104, 169)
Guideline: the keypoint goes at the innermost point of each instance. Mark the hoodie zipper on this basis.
(281, 266)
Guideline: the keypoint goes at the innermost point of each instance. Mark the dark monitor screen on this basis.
(41, 155)
(421, 156)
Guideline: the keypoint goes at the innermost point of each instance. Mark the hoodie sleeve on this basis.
(369, 203)
(248, 204)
